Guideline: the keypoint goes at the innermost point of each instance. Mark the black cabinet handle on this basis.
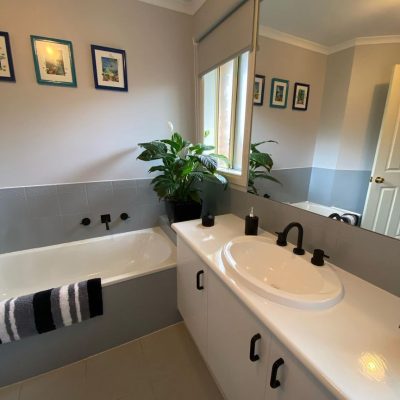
(254, 357)
(199, 286)
(274, 381)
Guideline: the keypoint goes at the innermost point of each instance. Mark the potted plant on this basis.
(260, 166)
(183, 167)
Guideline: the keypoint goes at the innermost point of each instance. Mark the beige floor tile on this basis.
(10, 392)
(119, 373)
(177, 370)
(62, 384)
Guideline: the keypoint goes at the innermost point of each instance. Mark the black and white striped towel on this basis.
(51, 309)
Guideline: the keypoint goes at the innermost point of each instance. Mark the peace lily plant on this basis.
(184, 166)
(260, 166)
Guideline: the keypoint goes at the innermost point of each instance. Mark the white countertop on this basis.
(353, 348)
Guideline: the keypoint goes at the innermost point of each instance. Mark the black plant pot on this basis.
(179, 211)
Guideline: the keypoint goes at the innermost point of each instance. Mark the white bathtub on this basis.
(113, 258)
(321, 209)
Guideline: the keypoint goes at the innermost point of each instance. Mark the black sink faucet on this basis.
(106, 219)
(282, 238)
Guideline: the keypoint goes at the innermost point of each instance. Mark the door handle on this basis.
(275, 383)
(253, 356)
(379, 179)
(199, 286)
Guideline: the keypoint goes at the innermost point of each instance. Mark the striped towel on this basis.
(51, 309)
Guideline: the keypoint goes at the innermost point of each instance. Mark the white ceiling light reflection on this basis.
(373, 366)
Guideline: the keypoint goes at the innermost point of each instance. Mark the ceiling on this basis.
(185, 6)
(332, 22)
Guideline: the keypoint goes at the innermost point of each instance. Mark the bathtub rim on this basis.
(117, 278)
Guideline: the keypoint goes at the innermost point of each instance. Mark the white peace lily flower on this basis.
(171, 126)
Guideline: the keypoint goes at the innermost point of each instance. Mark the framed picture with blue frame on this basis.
(54, 61)
(109, 68)
(6, 61)
(279, 93)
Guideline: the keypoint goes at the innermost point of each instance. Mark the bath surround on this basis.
(139, 297)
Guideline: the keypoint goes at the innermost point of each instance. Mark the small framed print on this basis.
(109, 68)
(259, 89)
(54, 61)
(6, 61)
(300, 96)
(279, 93)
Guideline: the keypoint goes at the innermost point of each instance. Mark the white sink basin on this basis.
(279, 275)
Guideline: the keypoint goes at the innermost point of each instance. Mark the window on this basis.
(224, 93)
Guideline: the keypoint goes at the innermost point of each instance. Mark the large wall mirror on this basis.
(326, 118)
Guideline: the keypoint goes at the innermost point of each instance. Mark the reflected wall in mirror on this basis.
(339, 156)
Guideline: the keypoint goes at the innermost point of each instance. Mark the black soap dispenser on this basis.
(251, 224)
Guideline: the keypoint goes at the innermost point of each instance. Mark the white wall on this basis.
(371, 74)
(60, 135)
(296, 131)
(334, 101)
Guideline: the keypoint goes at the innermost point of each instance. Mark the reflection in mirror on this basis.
(327, 117)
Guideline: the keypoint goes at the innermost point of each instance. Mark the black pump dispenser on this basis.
(251, 224)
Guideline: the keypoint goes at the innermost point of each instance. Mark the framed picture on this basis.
(259, 89)
(6, 62)
(279, 93)
(300, 96)
(54, 61)
(109, 68)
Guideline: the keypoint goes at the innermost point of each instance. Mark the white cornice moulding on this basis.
(187, 7)
(364, 41)
(272, 33)
(320, 48)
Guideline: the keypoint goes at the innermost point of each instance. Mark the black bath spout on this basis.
(106, 219)
(282, 237)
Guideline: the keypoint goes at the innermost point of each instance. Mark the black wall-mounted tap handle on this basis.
(124, 216)
(106, 219)
(86, 222)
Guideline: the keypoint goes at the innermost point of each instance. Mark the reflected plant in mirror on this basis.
(260, 166)
(341, 156)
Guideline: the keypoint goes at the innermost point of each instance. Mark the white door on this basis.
(382, 207)
(288, 379)
(238, 344)
(192, 296)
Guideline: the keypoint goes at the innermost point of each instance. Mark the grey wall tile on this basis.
(294, 185)
(72, 199)
(100, 196)
(321, 184)
(42, 201)
(146, 194)
(125, 196)
(373, 257)
(349, 190)
(45, 215)
(13, 205)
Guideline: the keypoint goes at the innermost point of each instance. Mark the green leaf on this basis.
(261, 160)
(201, 148)
(209, 162)
(268, 177)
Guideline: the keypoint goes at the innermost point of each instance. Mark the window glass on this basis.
(224, 104)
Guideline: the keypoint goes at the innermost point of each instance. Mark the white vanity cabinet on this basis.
(192, 294)
(238, 344)
(288, 379)
(243, 356)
